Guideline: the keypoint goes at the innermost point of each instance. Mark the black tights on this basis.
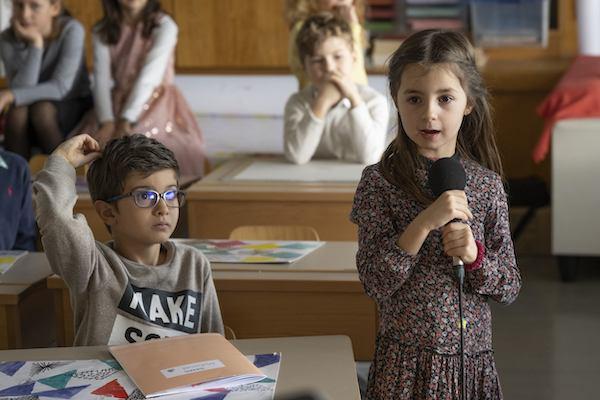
(37, 121)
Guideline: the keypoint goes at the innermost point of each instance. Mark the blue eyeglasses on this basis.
(147, 198)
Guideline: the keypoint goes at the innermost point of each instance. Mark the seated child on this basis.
(332, 117)
(351, 11)
(16, 212)
(140, 285)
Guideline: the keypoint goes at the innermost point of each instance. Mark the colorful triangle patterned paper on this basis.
(58, 381)
(11, 367)
(112, 389)
(18, 390)
(66, 393)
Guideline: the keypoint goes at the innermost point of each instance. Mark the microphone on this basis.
(448, 174)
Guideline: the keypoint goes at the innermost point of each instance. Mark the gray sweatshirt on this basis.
(55, 72)
(116, 300)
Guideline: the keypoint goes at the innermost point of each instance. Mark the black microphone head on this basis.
(447, 174)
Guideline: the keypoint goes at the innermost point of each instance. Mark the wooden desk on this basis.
(217, 204)
(20, 281)
(318, 295)
(30, 268)
(321, 363)
(10, 319)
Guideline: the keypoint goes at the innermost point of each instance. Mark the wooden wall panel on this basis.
(90, 12)
(231, 34)
(517, 88)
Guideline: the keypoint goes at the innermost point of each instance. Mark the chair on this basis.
(36, 163)
(530, 192)
(274, 232)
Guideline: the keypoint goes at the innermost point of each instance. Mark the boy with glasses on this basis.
(140, 285)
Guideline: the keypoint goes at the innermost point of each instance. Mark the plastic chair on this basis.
(274, 232)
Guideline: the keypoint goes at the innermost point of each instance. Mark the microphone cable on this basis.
(460, 274)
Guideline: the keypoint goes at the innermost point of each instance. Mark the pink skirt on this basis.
(167, 118)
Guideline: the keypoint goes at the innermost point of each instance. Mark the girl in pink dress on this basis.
(134, 48)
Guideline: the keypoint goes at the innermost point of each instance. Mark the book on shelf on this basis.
(419, 24)
(184, 364)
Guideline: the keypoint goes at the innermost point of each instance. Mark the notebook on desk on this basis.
(102, 379)
(254, 251)
(184, 364)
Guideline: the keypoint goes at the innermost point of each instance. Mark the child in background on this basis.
(351, 11)
(407, 238)
(141, 285)
(134, 47)
(43, 53)
(333, 117)
(18, 231)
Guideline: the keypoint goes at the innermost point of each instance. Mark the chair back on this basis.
(36, 163)
(274, 232)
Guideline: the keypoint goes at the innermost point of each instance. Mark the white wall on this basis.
(244, 114)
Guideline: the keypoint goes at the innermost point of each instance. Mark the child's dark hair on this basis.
(109, 27)
(476, 137)
(136, 153)
(318, 28)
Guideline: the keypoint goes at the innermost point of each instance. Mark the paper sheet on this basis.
(314, 171)
(252, 252)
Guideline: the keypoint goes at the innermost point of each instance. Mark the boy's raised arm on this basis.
(67, 238)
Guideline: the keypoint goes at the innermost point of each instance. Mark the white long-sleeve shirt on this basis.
(350, 134)
(164, 40)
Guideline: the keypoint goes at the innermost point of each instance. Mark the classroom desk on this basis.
(24, 278)
(10, 318)
(321, 363)
(318, 295)
(30, 268)
(217, 204)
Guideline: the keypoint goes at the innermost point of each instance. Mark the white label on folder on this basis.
(191, 368)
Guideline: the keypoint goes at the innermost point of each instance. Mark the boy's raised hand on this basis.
(79, 150)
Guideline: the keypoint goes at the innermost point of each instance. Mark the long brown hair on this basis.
(109, 27)
(476, 138)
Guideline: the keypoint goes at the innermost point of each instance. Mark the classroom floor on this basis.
(547, 343)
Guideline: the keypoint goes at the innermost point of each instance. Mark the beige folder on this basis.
(185, 363)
